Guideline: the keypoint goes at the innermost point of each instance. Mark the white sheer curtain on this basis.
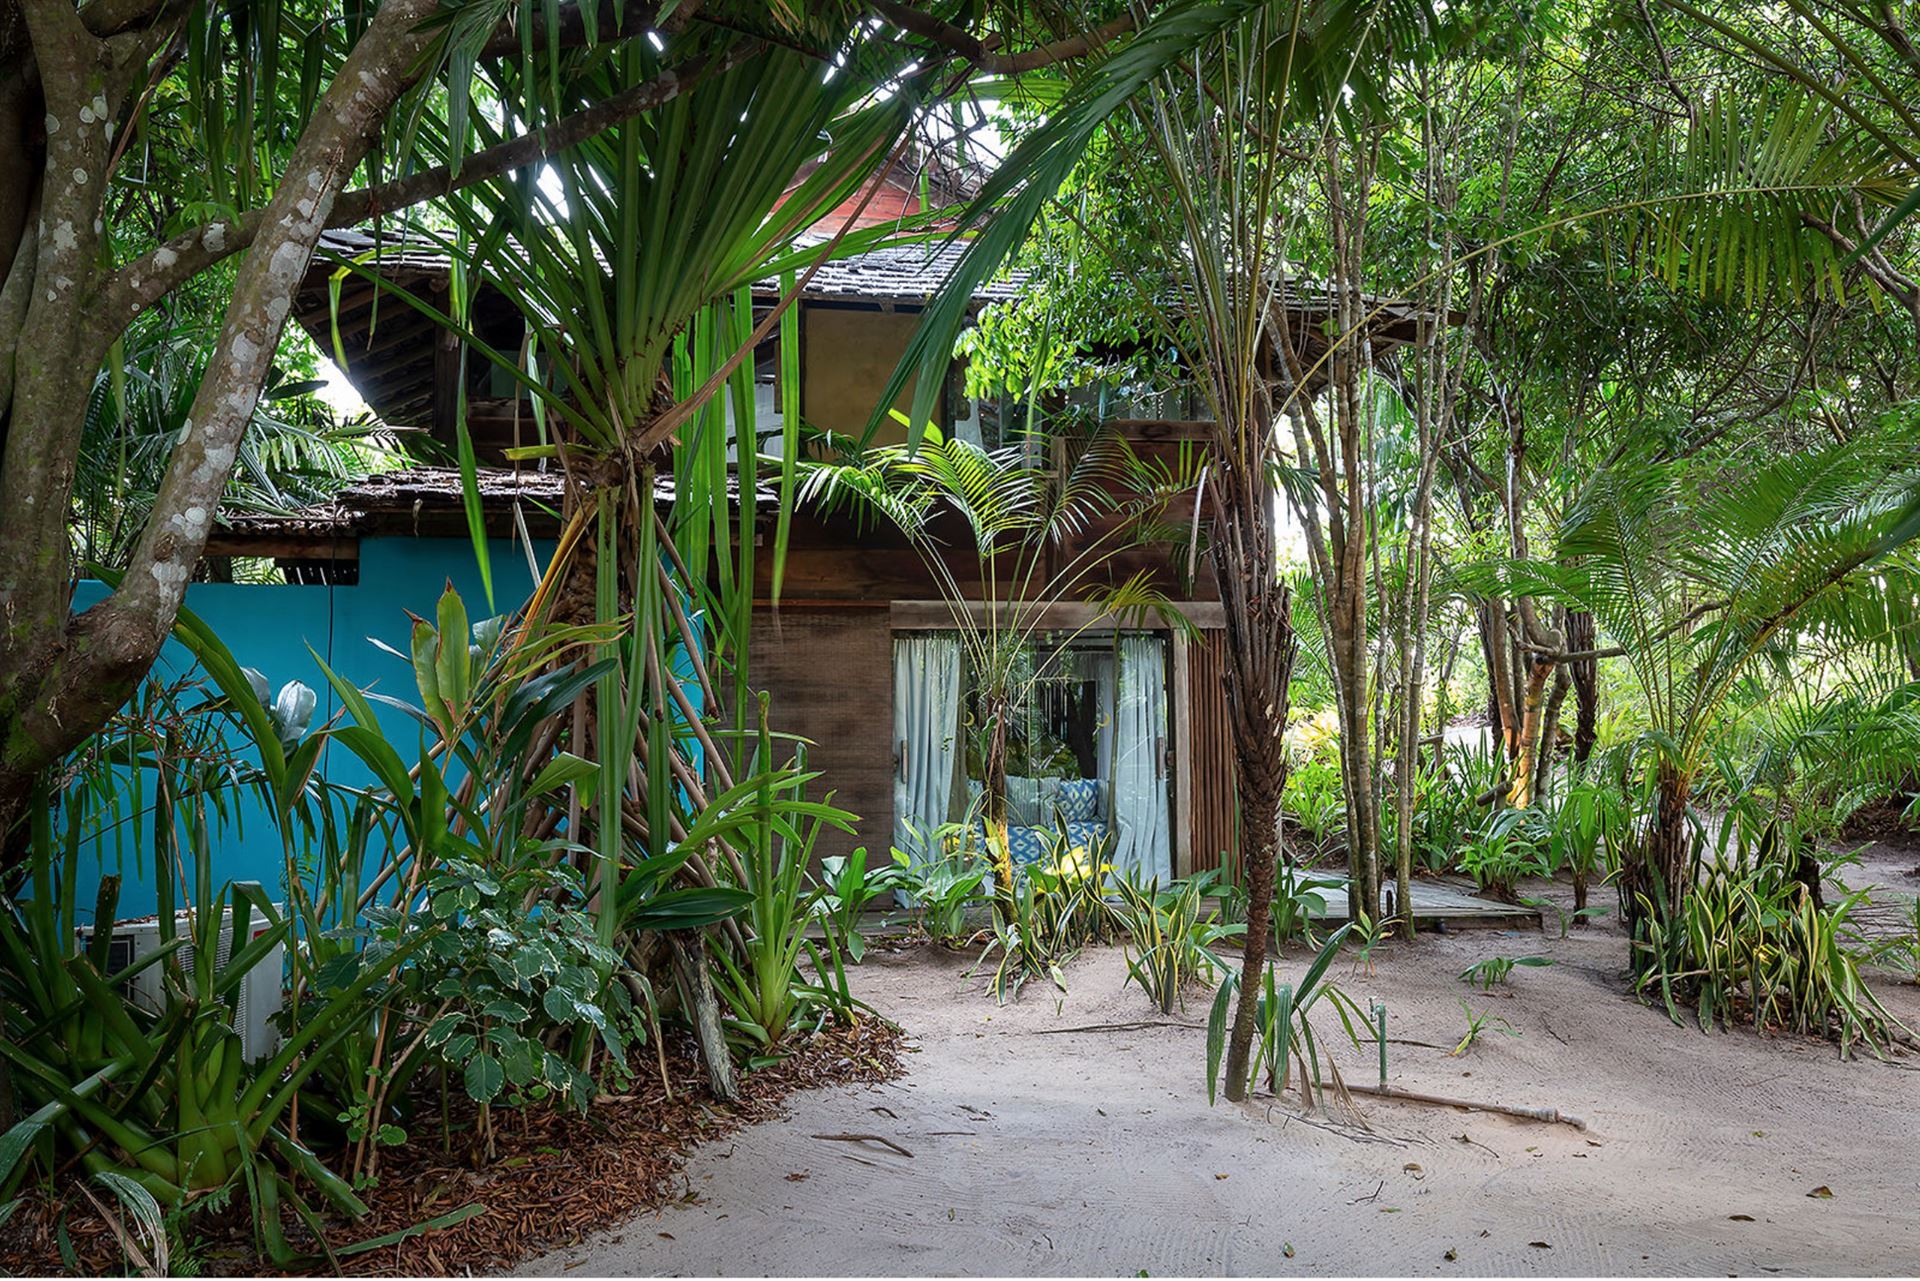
(926, 732)
(1139, 755)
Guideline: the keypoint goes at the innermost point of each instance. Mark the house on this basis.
(1124, 731)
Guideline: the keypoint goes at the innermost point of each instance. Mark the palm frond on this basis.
(1753, 189)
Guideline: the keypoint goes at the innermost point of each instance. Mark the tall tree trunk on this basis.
(1259, 650)
(1430, 409)
(1525, 753)
(1502, 715)
(61, 677)
(1547, 743)
(1585, 673)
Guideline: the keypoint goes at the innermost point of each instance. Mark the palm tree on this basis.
(1212, 149)
(296, 452)
(1698, 579)
(630, 258)
(1035, 535)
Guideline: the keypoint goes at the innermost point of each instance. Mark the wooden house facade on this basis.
(1124, 734)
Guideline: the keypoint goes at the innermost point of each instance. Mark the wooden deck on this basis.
(1441, 905)
(1437, 905)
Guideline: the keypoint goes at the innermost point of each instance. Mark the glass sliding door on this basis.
(1086, 746)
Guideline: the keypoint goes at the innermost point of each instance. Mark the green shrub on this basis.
(1169, 942)
(1750, 944)
(1298, 898)
(1316, 801)
(946, 889)
(1505, 850)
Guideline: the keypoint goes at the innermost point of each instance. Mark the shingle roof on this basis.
(423, 490)
(900, 274)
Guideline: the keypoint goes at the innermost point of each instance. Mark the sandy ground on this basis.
(1038, 1149)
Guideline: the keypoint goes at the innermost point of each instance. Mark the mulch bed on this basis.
(1883, 821)
(556, 1176)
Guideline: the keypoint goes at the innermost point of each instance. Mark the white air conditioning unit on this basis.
(261, 992)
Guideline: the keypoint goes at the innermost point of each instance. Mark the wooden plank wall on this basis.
(830, 674)
(1212, 815)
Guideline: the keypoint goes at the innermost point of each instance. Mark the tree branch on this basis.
(147, 279)
(983, 53)
(124, 632)
(1552, 655)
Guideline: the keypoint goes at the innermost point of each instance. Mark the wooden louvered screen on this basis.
(1211, 811)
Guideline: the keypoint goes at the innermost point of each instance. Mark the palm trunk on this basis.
(1661, 876)
(1586, 685)
(1672, 845)
(993, 710)
(1259, 663)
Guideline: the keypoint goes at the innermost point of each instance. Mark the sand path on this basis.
(1037, 1151)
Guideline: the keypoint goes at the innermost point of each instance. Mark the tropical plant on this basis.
(162, 1097)
(847, 888)
(1055, 907)
(1287, 1036)
(1299, 899)
(1828, 755)
(1015, 514)
(1451, 804)
(1497, 969)
(1478, 1025)
(1796, 540)
(1369, 932)
(1752, 943)
(1505, 850)
(1316, 800)
(765, 989)
(1169, 943)
(944, 890)
(1577, 841)
(505, 980)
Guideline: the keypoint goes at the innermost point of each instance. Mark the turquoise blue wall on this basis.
(270, 628)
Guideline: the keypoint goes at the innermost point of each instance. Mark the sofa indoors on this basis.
(1039, 809)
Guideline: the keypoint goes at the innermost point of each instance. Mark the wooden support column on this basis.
(1182, 727)
(446, 384)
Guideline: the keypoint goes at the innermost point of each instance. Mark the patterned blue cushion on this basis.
(1026, 844)
(1077, 800)
(1086, 836)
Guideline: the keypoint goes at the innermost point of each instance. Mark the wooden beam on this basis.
(284, 546)
(934, 615)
